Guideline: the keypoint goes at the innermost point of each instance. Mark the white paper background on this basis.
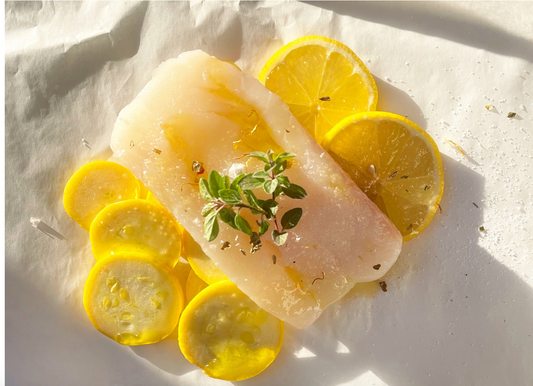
(459, 310)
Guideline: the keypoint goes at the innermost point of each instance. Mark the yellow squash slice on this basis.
(227, 335)
(205, 268)
(133, 299)
(136, 226)
(193, 286)
(396, 164)
(96, 185)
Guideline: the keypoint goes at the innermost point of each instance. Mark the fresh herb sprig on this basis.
(227, 198)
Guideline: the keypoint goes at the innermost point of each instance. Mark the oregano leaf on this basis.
(291, 218)
(243, 225)
(204, 190)
(263, 227)
(211, 226)
(295, 191)
(270, 186)
(279, 238)
(230, 197)
(216, 183)
(228, 216)
(208, 208)
(259, 155)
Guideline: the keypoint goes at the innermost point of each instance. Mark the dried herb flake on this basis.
(226, 245)
(511, 115)
(157, 151)
(325, 99)
(383, 286)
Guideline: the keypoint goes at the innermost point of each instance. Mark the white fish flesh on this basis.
(198, 108)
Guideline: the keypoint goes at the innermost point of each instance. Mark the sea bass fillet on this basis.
(198, 108)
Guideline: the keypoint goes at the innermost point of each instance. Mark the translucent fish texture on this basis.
(198, 108)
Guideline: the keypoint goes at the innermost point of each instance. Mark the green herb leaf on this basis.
(208, 208)
(277, 192)
(211, 226)
(259, 155)
(243, 225)
(263, 227)
(235, 183)
(250, 183)
(290, 218)
(283, 181)
(251, 198)
(261, 174)
(284, 156)
(226, 182)
(271, 207)
(230, 197)
(280, 168)
(295, 191)
(269, 155)
(279, 237)
(270, 186)
(216, 183)
(204, 190)
(228, 216)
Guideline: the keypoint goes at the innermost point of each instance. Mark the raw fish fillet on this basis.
(198, 108)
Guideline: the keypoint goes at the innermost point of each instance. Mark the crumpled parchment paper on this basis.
(458, 310)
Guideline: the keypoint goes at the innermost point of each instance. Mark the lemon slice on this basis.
(193, 286)
(96, 185)
(203, 266)
(322, 81)
(396, 164)
(136, 226)
(133, 299)
(227, 335)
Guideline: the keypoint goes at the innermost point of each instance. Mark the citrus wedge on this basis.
(133, 299)
(322, 81)
(136, 226)
(96, 185)
(396, 164)
(227, 335)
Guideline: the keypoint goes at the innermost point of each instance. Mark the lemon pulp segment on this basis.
(133, 299)
(321, 80)
(227, 335)
(394, 162)
(96, 185)
(136, 226)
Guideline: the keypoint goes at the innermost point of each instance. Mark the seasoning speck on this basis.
(273, 259)
(511, 115)
(482, 229)
(383, 286)
(475, 205)
(393, 175)
(426, 187)
(489, 107)
(226, 245)
(157, 151)
(404, 177)
(377, 266)
(242, 251)
(198, 167)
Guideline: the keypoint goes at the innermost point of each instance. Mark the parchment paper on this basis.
(459, 305)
